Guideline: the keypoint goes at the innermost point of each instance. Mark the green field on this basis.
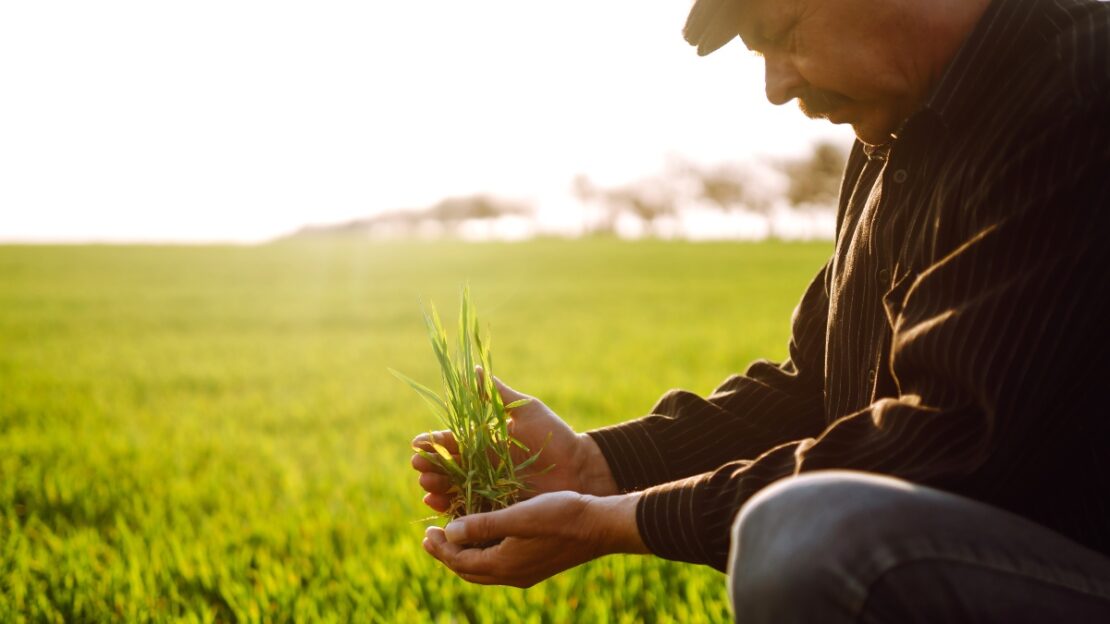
(211, 434)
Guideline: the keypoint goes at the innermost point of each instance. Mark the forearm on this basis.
(686, 434)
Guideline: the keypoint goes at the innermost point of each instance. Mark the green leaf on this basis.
(443, 452)
(528, 462)
(544, 471)
(426, 393)
(448, 465)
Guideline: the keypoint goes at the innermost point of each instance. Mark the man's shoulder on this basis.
(1071, 64)
(1029, 65)
(1079, 52)
(1055, 89)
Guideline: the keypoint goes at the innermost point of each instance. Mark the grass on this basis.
(211, 434)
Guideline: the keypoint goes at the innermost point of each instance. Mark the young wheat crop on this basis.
(483, 474)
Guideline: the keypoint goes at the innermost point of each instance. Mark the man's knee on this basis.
(796, 546)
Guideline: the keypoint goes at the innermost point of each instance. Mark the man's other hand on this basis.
(538, 538)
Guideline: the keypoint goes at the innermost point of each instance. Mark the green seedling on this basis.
(483, 475)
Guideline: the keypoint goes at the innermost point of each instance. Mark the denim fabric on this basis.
(843, 546)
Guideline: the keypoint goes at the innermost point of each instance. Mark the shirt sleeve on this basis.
(998, 347)
(686, 434)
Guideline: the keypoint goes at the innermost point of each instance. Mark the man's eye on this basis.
(776, 38)
(781, 38)
(771, 41)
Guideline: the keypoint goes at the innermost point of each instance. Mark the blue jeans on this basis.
(844, 546)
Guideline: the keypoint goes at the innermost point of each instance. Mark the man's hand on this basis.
(539, 538)
(578, 463)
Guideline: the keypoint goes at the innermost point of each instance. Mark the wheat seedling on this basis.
(483, 475)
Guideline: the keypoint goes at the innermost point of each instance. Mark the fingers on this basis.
(438, 502)
(425, 465)
(443, 438)
(471, 564)
(435, 482)
(424, 443)
(422, 464)
(437, 545)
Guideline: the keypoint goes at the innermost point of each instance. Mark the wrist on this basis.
(615, 524)
(595, 476)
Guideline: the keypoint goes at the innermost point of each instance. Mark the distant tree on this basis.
(588, 194)
(648, 200)
(583, 188)
(815, 180)
(730, 187)
(649, 204)
(455, 210)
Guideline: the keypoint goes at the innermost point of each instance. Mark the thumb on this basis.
(482, 527)
(520, 521)
(545, 514)
(508, 395)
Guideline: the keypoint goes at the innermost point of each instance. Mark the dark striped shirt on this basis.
(960, 334)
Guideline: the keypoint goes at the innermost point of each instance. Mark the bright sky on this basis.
(237, 120)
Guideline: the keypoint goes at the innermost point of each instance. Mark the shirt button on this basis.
(871, 375)
(900, 176)
(884, 277)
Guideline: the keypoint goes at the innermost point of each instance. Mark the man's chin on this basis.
(869, 128)
(871, 133)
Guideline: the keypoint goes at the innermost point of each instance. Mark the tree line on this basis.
(807, 185)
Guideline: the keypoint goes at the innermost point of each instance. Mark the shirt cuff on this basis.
(668, 519)
(633, 457)
(691, 519)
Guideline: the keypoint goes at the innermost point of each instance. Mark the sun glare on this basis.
(242, 121)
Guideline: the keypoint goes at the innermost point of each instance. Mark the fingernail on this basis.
(455, 531)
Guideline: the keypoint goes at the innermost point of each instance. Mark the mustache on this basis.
(818, 102)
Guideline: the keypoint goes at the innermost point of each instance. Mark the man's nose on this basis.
(783, 82)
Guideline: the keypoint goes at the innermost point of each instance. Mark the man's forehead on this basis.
(713, 23)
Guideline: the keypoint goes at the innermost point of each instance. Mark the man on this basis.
(949, 359)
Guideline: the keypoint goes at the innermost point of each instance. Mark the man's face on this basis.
(844, 60)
